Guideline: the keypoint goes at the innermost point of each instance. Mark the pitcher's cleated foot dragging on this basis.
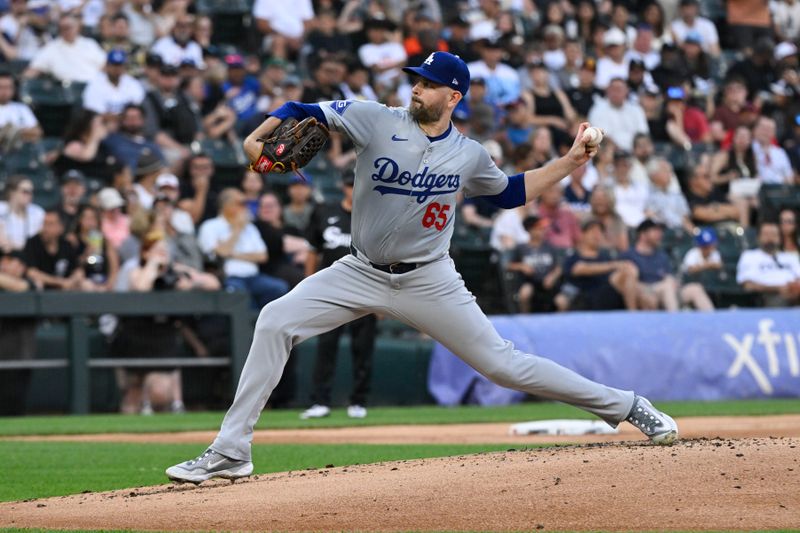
(207, 466)
(659, 427)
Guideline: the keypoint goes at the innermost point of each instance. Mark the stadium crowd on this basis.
(120, 128)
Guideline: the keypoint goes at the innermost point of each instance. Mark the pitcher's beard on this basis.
(425, 115)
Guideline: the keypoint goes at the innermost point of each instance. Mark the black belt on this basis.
(392, 268)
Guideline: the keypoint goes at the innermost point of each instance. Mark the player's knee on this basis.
(270, 320)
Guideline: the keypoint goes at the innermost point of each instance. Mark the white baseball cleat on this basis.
(357, 411)
(315, 411)
(209, 465)
(659, 427)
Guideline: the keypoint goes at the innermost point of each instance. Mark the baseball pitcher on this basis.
(411, 164)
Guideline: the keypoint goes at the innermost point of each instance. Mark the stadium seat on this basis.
(52, 102)
(774, 197)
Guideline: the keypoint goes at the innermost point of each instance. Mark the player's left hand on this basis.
(580, 152)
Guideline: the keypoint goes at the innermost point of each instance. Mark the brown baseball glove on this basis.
(291, 146)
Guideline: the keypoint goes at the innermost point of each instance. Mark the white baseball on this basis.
(593, 136)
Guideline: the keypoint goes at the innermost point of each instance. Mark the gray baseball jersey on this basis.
(404, 197)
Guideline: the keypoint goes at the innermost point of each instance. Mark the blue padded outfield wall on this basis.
(752, 353)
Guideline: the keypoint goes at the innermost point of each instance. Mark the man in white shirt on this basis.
(284, 23)
(112, 90)
(613, 64)
(69, 58)
(168, 186)
(617, 116)
(232, 238)
(381, 54)
(178, 47)
(772, 162)
(766, 270)
(142, 22)
(17, 121)
(704, 255)
(502, 81)
(630, 197)
(689, 20)
(642, 48)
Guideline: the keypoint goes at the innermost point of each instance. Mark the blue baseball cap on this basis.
(706, 237)
(445, 69)
(117, 57)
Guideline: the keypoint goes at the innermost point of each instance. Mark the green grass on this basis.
(288, 419)
(43, 469)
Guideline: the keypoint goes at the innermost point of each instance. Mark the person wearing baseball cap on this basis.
(73, 190)
(110, 91)
(704, 255)
(538, 264)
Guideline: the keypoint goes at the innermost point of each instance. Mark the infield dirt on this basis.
(730, 484)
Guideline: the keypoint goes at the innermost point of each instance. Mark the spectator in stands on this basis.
(518, 125)
(233, 239)
(241, 90)
(70, 57)
(156, 388)
(327, 78)
(643, 152)
(736, 163)
(283, 28)
(297, 213)
(73, 191)
(707, 204)
(583, 96)
(17, 336)
(538, 264)
(756, 69)
(630, 197)
(217, 122)
(356, 85)
(52, 260)
(790, 234)
(658, 286)
(747, 21)
(614, 236)
(502, 81)
(382, 53)
(179, 46)
(568, 75)
(17, 121)
(613, 64)
(325, 36)
(691, 21)
(110, 91)
(197, 199)
(576, 194)
(768, 271)
(18, 41)
(786, 19)
(114, 224)
(727, 115)
(642, 48)
(686, 124)
(563, 230)
(653, 15)
(593, 281)
(704, 256)
(115, 34)
(252, 186)
(664, 206)
(97, 258)
(169, 117)
(168, 189)
(617, 116)
(142, 24)
(772, 162)
(148, 168)
(20, 218)
(287, 253)
(178, 231)
(129, 142)
(550, 107)
(83, 147)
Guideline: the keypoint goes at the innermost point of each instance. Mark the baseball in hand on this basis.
(593, 136)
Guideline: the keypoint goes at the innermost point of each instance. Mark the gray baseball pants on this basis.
(432, 299)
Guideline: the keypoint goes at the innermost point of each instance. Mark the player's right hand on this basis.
(580, 153)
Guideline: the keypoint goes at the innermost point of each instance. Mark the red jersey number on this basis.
(436, 216)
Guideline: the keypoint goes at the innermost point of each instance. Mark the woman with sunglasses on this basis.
(20, 218)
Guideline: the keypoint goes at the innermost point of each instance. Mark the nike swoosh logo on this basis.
(212, 466)
(396, 138)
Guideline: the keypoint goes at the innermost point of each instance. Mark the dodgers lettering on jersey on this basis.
(404, 197)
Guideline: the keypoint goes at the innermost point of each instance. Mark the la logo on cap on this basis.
(455, 81)
(429, 61)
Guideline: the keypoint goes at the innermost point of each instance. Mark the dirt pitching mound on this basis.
(695, 485)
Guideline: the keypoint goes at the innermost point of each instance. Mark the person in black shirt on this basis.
(73, 190)
(52, 260)
(583, 96)
(594, 281)
(329, 234)
(170, 117)
(282, 246)
(538, 262)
